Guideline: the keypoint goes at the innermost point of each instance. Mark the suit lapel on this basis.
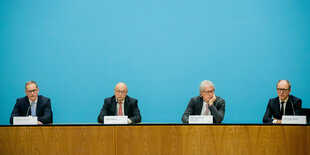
(126, 105)
(288, 108)
(39, 106)
(113, 106)
(199, 105)
(26, 106)
(277, 108)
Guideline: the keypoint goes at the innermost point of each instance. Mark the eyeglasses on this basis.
(121, 92)
(208, 92)
(32, 91)
(282, 90)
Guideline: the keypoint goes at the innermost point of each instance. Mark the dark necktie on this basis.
(282, 109)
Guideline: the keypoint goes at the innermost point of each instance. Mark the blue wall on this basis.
(78, 50)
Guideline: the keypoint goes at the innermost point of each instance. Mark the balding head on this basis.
(120, 91)
(284, 82)
(121, 85)
(283, 89)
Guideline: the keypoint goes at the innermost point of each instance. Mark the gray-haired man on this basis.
(206, 104)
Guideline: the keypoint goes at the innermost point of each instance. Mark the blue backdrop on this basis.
(78, 50)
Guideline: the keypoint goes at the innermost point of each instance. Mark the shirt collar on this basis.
(121, 101)
(35, 101)
(283, 101)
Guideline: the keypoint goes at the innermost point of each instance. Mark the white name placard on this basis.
(115, 119)
(200, 119)
(26, 120)
(286, 119)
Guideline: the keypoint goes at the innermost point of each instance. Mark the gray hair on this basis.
(30, 82)
(205, 83)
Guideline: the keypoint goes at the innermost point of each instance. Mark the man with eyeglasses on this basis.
(33, 105)
(120, 105)
(284, 104)
(206, 104)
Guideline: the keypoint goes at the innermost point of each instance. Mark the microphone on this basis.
(29, 108)
(292, 107)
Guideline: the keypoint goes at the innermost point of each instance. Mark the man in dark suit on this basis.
(120, 104)
(206, 104)
(33, 104)
(284, 104)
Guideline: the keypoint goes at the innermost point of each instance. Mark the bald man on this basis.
(120, 105)
(284, 104)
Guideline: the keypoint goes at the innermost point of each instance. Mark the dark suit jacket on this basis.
(130, 109)
(273, 108)
(44, 110)
(194, 107)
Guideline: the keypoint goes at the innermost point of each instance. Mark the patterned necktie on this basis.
(120, 109)
(33, 109)
(207, 110)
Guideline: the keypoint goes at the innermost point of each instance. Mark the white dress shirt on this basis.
(204, 108)
(284, 104)
(122, 107)
(35, 105)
